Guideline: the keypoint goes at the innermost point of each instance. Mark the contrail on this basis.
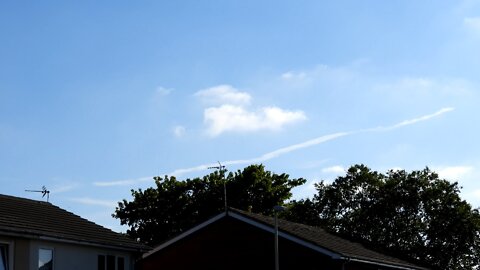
(412, 121)
(284, 150)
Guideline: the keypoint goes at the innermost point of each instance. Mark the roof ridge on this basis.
(24, 199)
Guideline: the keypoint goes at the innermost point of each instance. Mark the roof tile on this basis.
(41, 219)
(329, 241)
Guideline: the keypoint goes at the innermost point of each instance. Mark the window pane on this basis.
(110, 262)
(45, 259)
(101, 262)
(3, 257)
(120, 263)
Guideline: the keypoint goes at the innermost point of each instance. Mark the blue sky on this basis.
(96, 98)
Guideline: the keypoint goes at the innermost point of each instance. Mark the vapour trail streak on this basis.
(284, 150)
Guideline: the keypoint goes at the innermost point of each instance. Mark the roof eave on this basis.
(45, 237)
(387, 264)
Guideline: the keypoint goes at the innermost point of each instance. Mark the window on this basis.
(45, 259)
(120, 263)
(101, 262)
(110, 262)
(3, 257)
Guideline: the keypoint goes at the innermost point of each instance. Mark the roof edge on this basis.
(391, 265)
(260, 225)
(185, 234)
(35, 236)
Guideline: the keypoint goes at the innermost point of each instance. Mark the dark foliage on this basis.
(171, 207)
(416, 215)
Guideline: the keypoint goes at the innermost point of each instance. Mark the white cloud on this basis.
(224, 94)
(161, 91)
(231, 112)
(467, 178)
(454, 173)
(293, 75)
(312, 164)
(421, 89)
(126, 182)
(322, 73)
(64, 188)
(179, 131)
(95, 202)
(334, 170)
(179, 172)
(415, 83)
(472, 23)
(230, 118)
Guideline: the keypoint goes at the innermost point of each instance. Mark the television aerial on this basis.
(222, 170)
(44, 192)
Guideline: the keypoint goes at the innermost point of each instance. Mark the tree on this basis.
(171, 207)
(416, 215)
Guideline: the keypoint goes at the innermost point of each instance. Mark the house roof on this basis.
(332, 244)
(312, 237)
(42, 220)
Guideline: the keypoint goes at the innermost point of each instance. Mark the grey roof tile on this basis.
(31, 218)
(329, 241)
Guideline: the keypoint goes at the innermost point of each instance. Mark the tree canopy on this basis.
(172, 206)
(416, 215)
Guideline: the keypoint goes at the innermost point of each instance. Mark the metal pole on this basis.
(276, 209)
(222, 171)
(276, 241)
(225, 193)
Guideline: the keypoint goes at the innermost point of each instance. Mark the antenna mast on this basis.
(222, 170)
(44, 192)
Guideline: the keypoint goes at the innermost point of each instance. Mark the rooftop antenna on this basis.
(44, 192)
(221, 168)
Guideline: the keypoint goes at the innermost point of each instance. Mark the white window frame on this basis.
(10, 245)
(105, 255)
(46, 248)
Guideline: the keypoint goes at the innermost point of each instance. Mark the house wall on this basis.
(74, 256)
(18, 254)
(24, 254)
(22, 257)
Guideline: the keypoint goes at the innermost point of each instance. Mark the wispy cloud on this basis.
(423, 88)
(179, 131)
(224, 94)
(285, 150)
(162, 91)
(472, 23)
(334, 170)
(95, 202)
(454, 173)
(293, 75)
(412, 121)
(125, 182)
(64, 188)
